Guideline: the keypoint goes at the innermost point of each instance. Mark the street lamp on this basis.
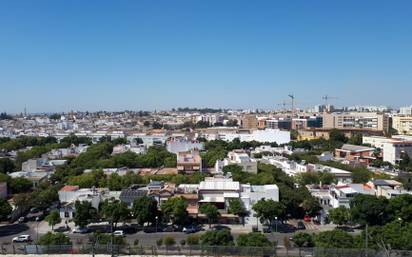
(156, 222)
(276, 224)
(37, 229)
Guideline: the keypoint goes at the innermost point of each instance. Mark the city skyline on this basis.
(141, 55)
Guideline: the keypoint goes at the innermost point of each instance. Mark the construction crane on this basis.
(283, 104)
(292, 96)
(326, 98)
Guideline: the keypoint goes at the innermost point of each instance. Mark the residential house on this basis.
(387, 188)
(342, 194)
(392, 148)
(240, 158)
(360, 154)
(189, 162)
(129, 195)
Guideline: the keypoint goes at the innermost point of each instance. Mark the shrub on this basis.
(193, 240)
(169, 241)
(159, 242)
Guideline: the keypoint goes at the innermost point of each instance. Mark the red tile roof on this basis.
(69, 188)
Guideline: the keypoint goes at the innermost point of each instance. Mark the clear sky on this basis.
(114, 55)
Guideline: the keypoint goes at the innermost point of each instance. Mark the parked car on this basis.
(301, 226)
(79, 230)
(307, 218)
(220, 227)
(172, 228)
(267, 230)
(118, 233)
(62, 229)
(151, 229)
(191, 229)
(22, 239)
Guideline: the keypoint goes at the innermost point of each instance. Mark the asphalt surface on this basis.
(9, 231)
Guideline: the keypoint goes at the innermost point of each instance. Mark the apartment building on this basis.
(356, 120)
(392, 148)
(249, 121)
(403, 124)
(405, 110)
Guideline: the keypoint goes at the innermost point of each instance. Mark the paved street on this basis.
(35, 230)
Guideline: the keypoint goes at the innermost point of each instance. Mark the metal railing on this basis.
(195, 250)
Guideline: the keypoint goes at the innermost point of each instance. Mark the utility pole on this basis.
(111, 229)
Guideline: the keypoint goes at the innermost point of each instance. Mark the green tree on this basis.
(327, 178)
(232, 168)
(44, 196)
(400, 207)
(368, 209)
(84, 214)
(361, 175)
(211, 212)
(339, 216)
(334, 239)
(303, 240)
(7, 165)
(337, 136)
(217, 238)
(355, 139)
(268, 210)
(53, 218)
(253, 240)
(5, 210)
(175, 209)
(145, 210)
(22, 201)
(308, 178)
(114, 211)
(236, 207)
(20, 185)
(311, 206)
(54, 239)
(394, 235)
(88, 180)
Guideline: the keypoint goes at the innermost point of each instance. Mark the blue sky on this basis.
(157, 54)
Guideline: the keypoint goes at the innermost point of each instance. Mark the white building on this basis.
(341, 195)
(219, 191)
(267, 135)
(177, 145)
(405, 110)
(391, 147)
(251, 194)
(68, 195)
(240, 158)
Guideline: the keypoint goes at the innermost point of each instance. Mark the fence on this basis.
(124, 250)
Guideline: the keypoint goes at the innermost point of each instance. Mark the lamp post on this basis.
(276, 224)
(37, 229)
(156, 222)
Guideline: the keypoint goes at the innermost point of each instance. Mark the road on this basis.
(9, 231)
